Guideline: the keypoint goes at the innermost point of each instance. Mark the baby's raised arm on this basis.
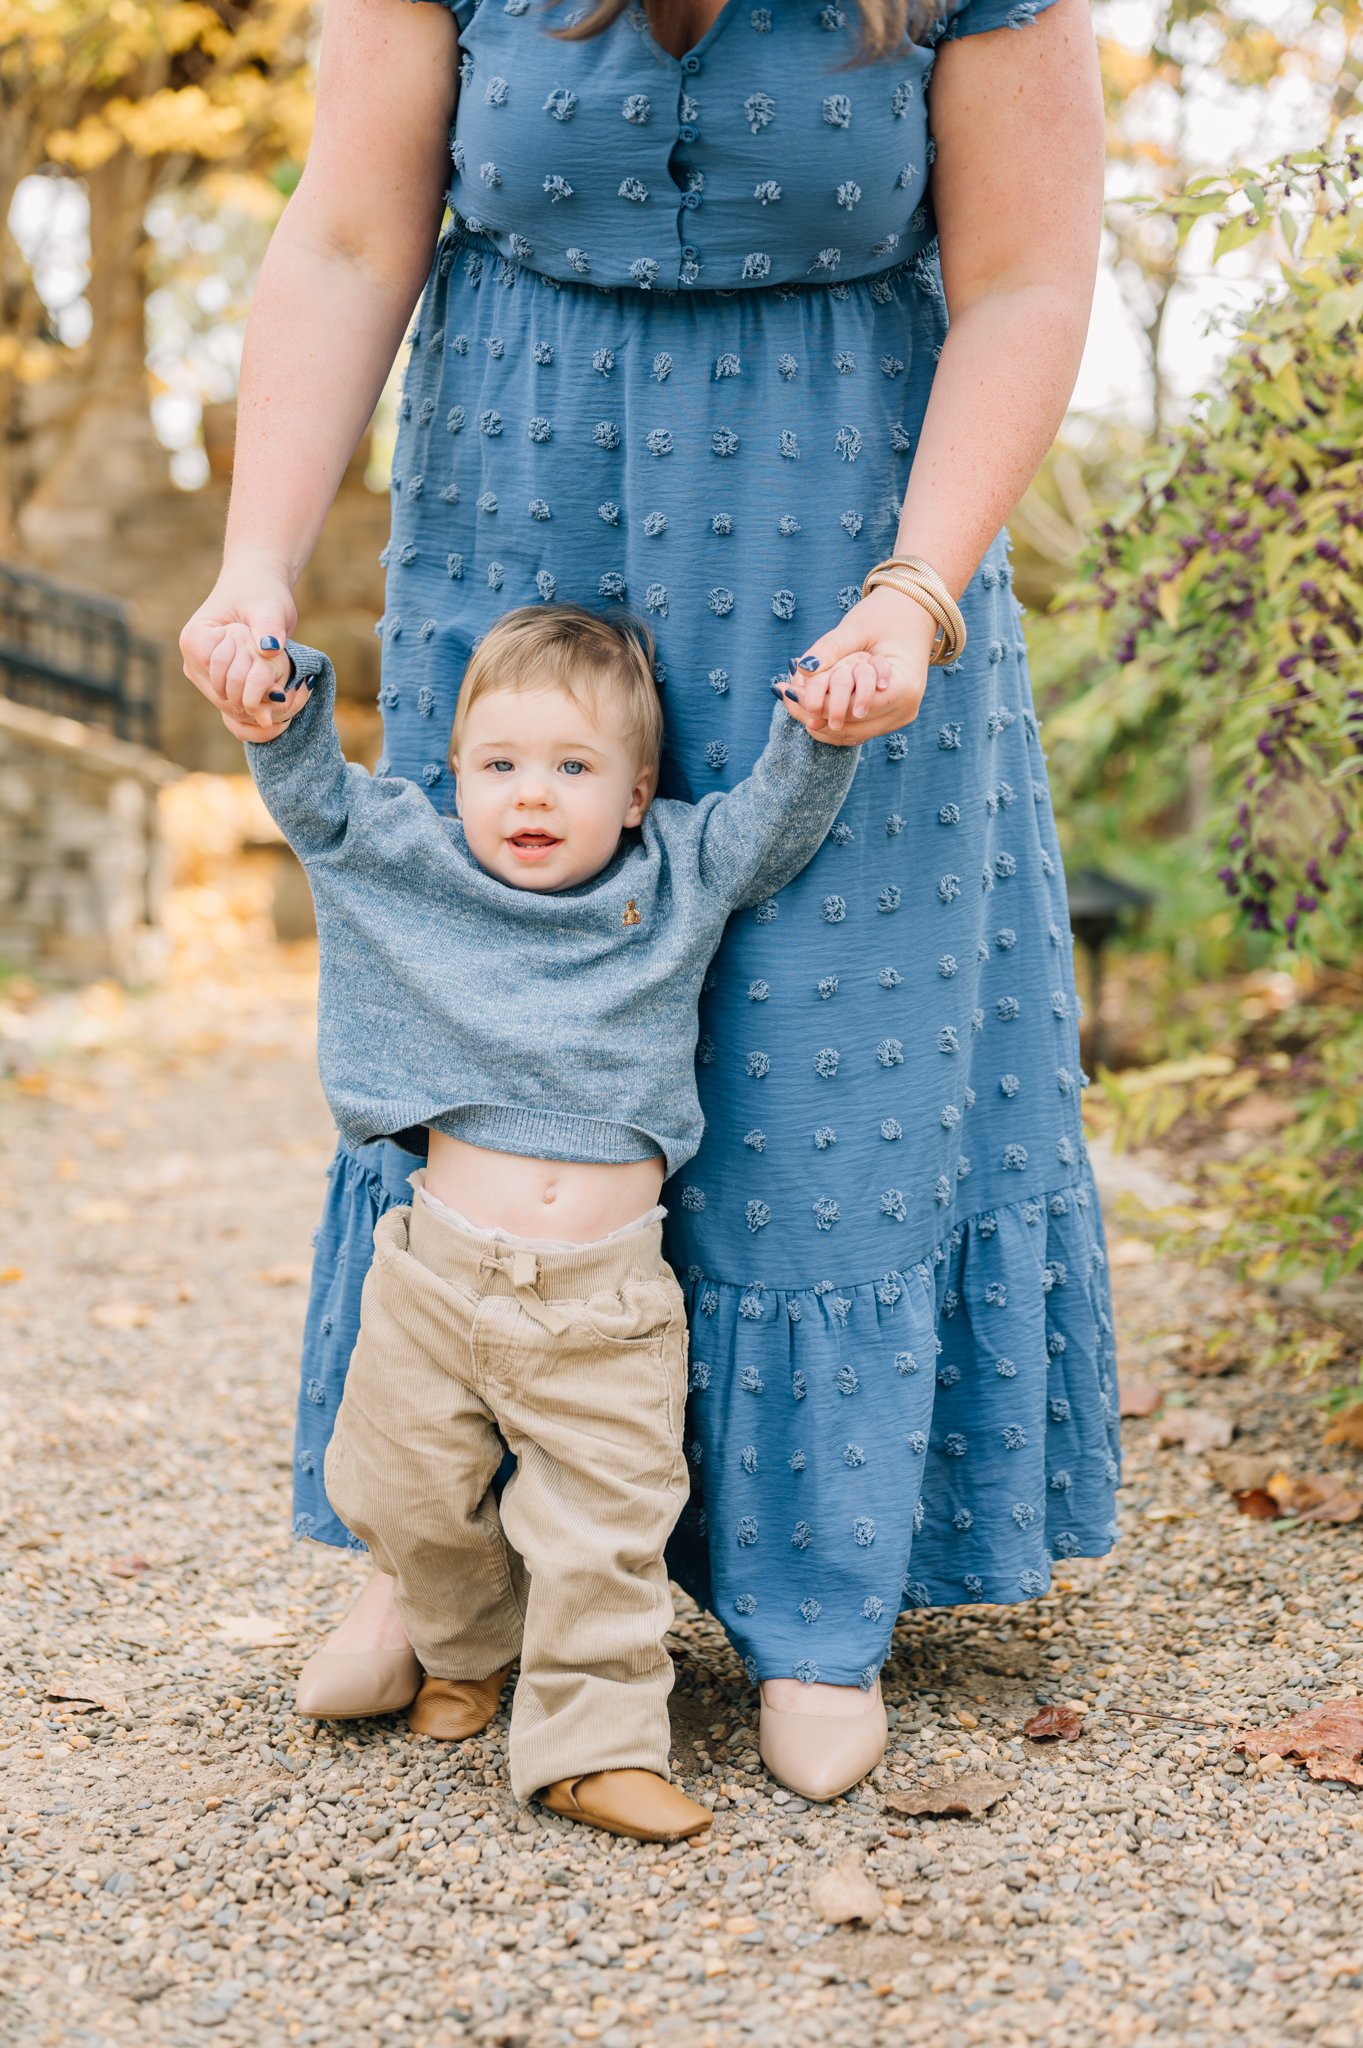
(319, 800)
(759, 835)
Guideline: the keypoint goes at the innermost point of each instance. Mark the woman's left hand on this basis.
(871, 674)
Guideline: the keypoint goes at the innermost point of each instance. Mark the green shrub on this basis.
(1221, 609)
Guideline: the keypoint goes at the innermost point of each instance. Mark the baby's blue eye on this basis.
(574, 767)
(501, 767)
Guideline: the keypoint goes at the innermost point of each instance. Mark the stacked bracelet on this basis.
(915, 578)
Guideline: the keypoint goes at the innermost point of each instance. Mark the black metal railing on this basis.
(67, 651)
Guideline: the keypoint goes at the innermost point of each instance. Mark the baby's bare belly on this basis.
(540, 1197)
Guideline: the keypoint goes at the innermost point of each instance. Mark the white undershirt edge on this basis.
(528, 1244)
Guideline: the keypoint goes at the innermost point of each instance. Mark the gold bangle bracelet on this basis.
(918, 580)
(919, 569)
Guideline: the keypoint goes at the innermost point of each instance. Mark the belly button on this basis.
(549, 1194)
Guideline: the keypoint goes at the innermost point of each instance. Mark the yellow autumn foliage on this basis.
(81, 83)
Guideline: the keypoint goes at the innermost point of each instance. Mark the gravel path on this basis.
(197, 1863)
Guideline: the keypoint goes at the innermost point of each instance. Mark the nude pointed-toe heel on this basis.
(355, 1685)
(820, 1756)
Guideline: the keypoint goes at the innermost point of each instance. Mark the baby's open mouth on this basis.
(532, 845)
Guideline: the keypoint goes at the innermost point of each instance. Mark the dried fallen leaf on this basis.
(1328, 1739)
(1197, 1429)
(121, 1315)
(1338, 1507)
(1315, 1496)
(846, 1893)
(85, 1692)
(1130, 1251)
(10, 1276)
(288, 1274)
(1138, 1397)
(1206, 1362)
(1055, 1724)
(1258, 1505)
(1347, 1427)
(127, 1567)
(1241, 1471)
(253, 1631)
(974, 1792)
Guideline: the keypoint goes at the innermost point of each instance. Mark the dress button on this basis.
(690, 63)
(691, 200)
(690, 253)
(687, 133)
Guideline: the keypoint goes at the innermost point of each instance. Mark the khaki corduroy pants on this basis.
(578, 1359)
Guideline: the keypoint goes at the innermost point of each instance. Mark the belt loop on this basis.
(524, 1269)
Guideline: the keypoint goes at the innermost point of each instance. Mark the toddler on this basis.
(514, 991)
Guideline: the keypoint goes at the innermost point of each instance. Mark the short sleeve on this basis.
(974, 17)
(462, 10)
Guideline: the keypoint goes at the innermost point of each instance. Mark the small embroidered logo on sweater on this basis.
(631, 913)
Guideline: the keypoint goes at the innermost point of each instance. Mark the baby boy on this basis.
(515, 991)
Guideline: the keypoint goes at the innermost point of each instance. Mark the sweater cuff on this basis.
(796, 753)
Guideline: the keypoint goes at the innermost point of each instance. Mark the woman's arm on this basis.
(336, 290)
(1017, 116)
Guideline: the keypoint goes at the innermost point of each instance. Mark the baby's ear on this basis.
(454, 770)
(641, 796)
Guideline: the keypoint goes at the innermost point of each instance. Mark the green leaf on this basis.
(1234, 233)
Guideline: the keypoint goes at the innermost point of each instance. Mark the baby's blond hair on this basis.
(591, 658)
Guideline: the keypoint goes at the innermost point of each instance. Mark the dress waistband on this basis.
(482, 249)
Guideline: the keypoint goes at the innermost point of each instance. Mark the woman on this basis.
(684, 345)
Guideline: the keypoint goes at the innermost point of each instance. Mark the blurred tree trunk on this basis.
(131, 101)
(108, 453)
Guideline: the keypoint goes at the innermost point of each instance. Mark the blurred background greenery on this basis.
(1191, 556)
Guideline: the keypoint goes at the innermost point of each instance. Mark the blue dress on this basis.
(673, 354)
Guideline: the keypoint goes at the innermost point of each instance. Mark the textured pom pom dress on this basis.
(673, 355)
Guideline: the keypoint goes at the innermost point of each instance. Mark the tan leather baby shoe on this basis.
(635, 1803)
(452, 1709)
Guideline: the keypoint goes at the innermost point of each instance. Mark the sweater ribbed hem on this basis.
(544, 1134)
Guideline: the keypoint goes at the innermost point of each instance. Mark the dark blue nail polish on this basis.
(794, 695)
(793, 663)
(309, 682)
(279, 696)
(269, 645)
(808, 662)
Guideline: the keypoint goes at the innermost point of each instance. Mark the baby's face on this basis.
(544, 793)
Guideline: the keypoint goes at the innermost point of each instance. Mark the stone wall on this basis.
(81, 860)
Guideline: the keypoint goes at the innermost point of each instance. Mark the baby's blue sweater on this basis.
(555, 1025)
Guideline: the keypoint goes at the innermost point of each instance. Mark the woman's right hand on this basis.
(233, 648)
